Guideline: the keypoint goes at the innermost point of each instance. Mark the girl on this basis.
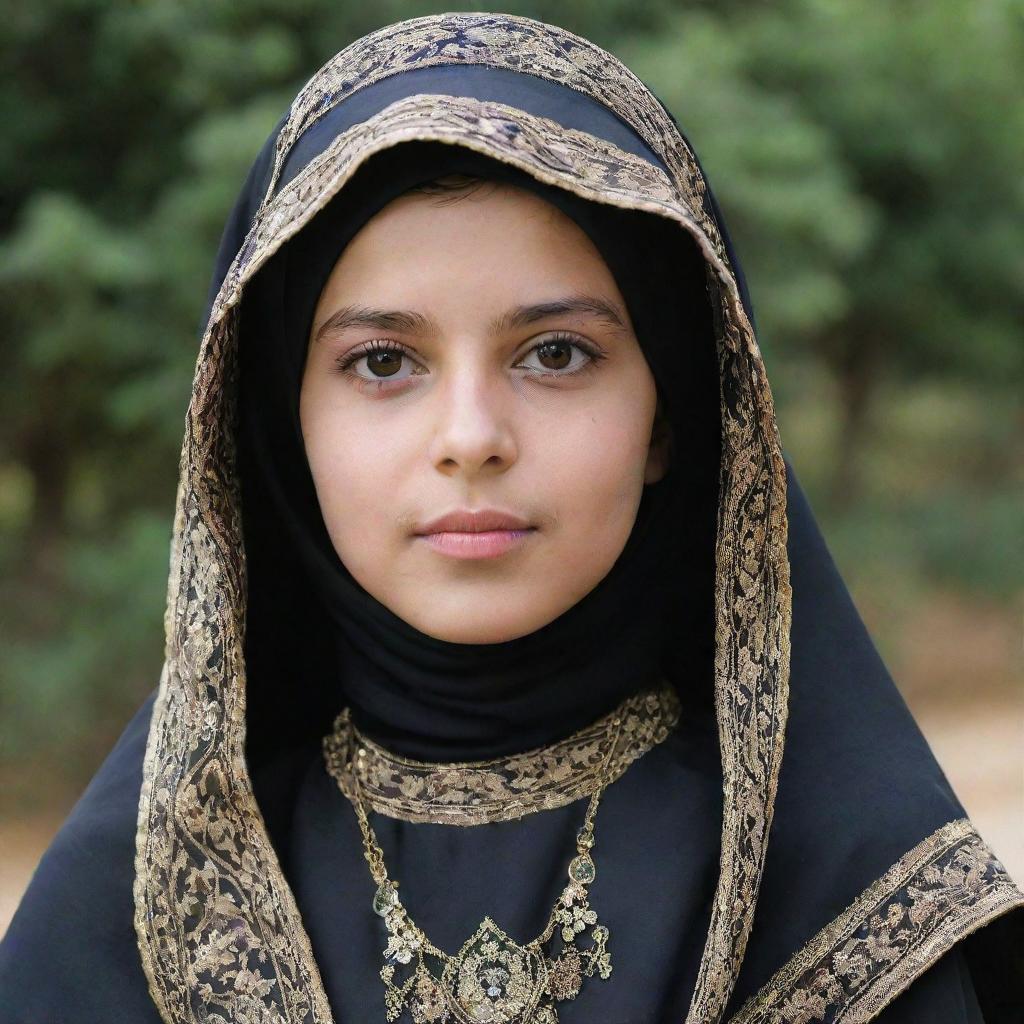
(508, 677)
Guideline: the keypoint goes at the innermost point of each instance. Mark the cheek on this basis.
(356, 474)
(599, 475)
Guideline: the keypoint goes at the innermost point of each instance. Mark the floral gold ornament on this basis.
(505, 788)
(493, 979)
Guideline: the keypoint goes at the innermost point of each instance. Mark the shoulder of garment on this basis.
(70, 952)
(939, 937)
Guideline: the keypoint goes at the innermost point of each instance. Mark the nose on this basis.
(473, 433)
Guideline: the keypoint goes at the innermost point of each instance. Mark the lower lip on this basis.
(486, 544)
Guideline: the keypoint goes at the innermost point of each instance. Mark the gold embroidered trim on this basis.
(515, 43)
(946, 887)
(474, 792)
(220, 936)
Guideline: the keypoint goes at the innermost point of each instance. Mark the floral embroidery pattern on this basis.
(475, 792)
(517, 44)
(947, 886)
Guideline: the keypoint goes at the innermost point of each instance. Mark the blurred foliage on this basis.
(867, 157)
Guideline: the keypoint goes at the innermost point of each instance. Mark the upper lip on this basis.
(467, 520)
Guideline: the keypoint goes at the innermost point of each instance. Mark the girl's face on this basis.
(477, 355)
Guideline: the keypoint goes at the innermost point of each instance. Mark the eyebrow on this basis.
(408, 321)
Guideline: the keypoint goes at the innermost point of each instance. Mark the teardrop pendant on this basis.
(385, 899)
(582, 869)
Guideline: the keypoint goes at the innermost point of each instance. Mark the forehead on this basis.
(486, 206)
(503, 241)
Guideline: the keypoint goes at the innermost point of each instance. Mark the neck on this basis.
(442, 709)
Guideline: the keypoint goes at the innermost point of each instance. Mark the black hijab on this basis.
(428, 698)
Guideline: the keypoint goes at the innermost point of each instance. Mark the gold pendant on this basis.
(493, 980)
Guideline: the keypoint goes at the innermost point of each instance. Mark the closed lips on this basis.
(469, 521)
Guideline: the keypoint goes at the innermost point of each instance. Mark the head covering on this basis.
(425, 697)
(846, 874)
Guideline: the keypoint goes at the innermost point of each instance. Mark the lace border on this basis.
(946, 887)
(475, 792)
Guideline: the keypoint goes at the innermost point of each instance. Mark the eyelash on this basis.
(369, 348)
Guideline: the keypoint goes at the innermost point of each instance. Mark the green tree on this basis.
(869, 160)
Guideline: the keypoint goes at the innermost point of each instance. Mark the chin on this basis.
(481, 625)
(484, 633)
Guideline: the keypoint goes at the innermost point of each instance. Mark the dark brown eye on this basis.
(555, 357)
(386, 361)
(558, 352)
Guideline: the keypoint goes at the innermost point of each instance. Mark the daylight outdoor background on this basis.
(867, 156)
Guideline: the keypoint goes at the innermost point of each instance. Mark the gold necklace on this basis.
(475, 792)
(493, 979)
